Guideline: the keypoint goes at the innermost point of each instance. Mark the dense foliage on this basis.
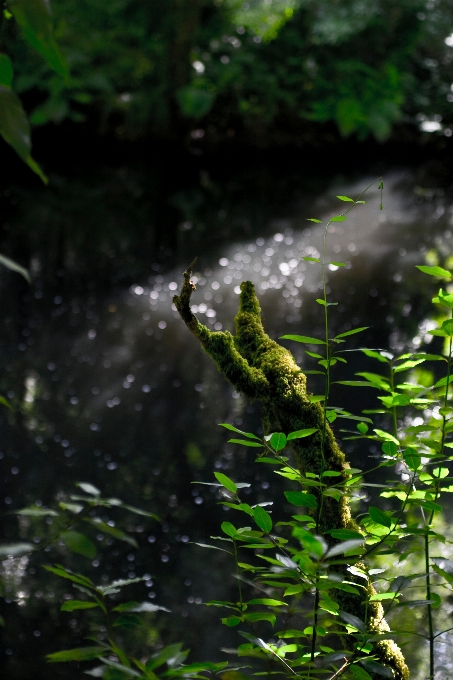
(266, 68)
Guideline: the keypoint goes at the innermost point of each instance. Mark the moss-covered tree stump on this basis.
(261, 369)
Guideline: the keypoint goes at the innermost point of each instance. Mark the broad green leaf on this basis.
(346, 198)
(226, 481)
(163, 656)
(5, 261)
(268, 602)
(79, 654)
(88, 488)
(382, 596)
(299, 434)
(278, 441)
(58, 570)
(311, 259)
(15, 130)
(434, 271)
(303, 338)
(380, 517)
(359, 673)
(416, 603)
(6, 70)
(16, 549)
(412, 459)
(79, 543)
(115, 586)
(352, 620)
(252, 617)
(362, 427)
(338, 218)
(5, 402)
(447, 326)
(229, 529)
(338, 264)
(300, 498)
(139, 607)
(35, 19)
(352, 332)
(378, 668)
(387, 436)
(231, 621)
(406, 365)
(234, 429)
(345, 546)
(36, 512)
(345, 534)
(262, 518)
(384, 357)
(120, 667)
(314, 544)
(72, 605)
(245, 442)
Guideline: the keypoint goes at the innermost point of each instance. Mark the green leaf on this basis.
(252, 617)
(115, 586)
(380, 517)
(346, 198)
(262, 518)
(352, 332)
(58, 570)
(88, 488)
(15, 130)
(278, 441)
(299, 434)
(378, 668)
(6, 70)
(345, 534)
(386, 435)
(36, 512)
(338, 218)
(303, 338)
(338, 264)
(447, 326)
(35, 19)
(229, 529)
(3, 401)
(311, 259)
(434, 271)
(345, 546)
(268, 602)
(15, 549)
(72, 605)
(362, 427)
(120, 667)
(79, 654)
(312, 219)
(231, 621)
(139, 607)
(5, 261)
(359, 673)
(78, 543)
(244, 442)
(234, 429)
(300, 498)
(382, 596)
(352, 620)
(226, 482)
(380, 356)
(412, 459)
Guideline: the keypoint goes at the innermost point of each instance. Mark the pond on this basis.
(109, 387)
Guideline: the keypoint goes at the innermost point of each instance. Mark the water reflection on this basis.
(111, 388)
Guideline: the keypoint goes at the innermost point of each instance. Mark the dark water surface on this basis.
(109, 387)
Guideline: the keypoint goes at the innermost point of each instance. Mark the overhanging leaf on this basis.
(15, 129)
(35, 19)
(79, 543)
(78, 654)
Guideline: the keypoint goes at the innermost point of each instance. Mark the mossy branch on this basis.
(263, 370)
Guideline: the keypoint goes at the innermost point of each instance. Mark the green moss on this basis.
(263, 370)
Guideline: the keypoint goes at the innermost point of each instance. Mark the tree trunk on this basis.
(263, 370)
